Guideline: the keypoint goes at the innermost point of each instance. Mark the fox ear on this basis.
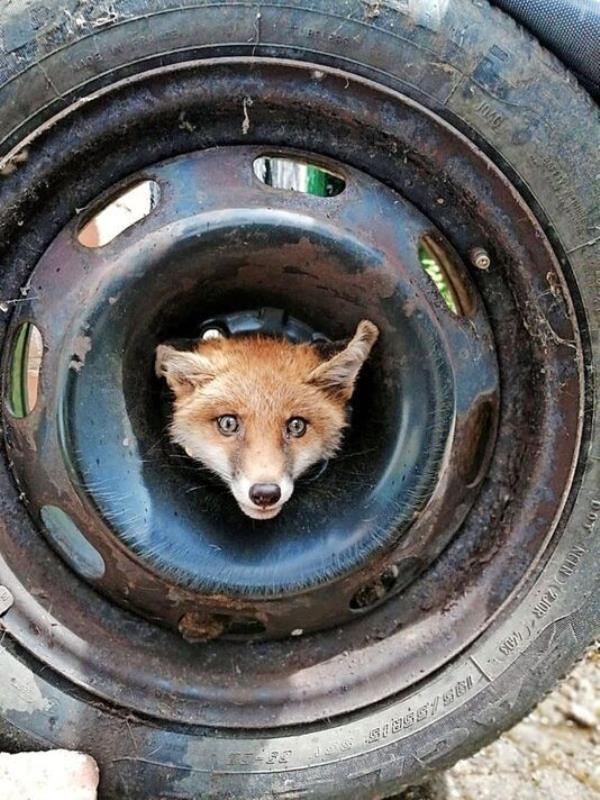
(339, 373)
(183, 370)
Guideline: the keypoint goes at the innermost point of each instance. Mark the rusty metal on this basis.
(519, 500)
(197, 626)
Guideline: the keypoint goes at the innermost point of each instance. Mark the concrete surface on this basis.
(53, 775)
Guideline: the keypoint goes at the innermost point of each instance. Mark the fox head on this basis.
(259, 411)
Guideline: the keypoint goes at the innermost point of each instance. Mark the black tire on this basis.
(474, 67)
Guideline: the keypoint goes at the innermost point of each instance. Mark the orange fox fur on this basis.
(259, 411)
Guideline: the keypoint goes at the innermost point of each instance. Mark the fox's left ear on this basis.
(184, 370)
(338, 374)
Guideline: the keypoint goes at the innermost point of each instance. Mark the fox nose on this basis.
(264, 494)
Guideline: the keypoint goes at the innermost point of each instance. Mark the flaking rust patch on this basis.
(81, 347)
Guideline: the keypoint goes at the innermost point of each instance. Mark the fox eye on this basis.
(228, 424)
(296, 426)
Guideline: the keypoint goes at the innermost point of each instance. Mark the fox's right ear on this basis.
(184, 370)
(337, 375)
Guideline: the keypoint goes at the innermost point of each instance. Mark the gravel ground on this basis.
(553, 754)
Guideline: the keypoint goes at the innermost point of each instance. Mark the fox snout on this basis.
(264, 495)
(259, 411)
(262, 500)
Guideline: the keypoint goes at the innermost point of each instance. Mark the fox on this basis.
(260, 411)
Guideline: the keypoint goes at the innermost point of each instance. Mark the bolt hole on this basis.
(296, 175)
(439, 265)
(371, 594)
(24, 370)
(123, 211)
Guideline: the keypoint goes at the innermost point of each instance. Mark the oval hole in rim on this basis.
(438, 263)
(24, 370)
(125, 209)
(297, 175)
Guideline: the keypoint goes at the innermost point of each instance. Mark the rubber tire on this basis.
(51, 49)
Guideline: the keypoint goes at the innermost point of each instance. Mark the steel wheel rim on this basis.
(411, 634)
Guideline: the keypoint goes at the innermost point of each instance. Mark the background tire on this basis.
(476, 69)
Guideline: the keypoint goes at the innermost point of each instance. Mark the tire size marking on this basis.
(564, 195)
(415, 713)
(543, 603)
(352, 739)
(424, 712)
(544, 600)
(314, 750)
(490, 115)
(270, 758)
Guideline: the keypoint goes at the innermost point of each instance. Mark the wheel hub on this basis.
(169, 541)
